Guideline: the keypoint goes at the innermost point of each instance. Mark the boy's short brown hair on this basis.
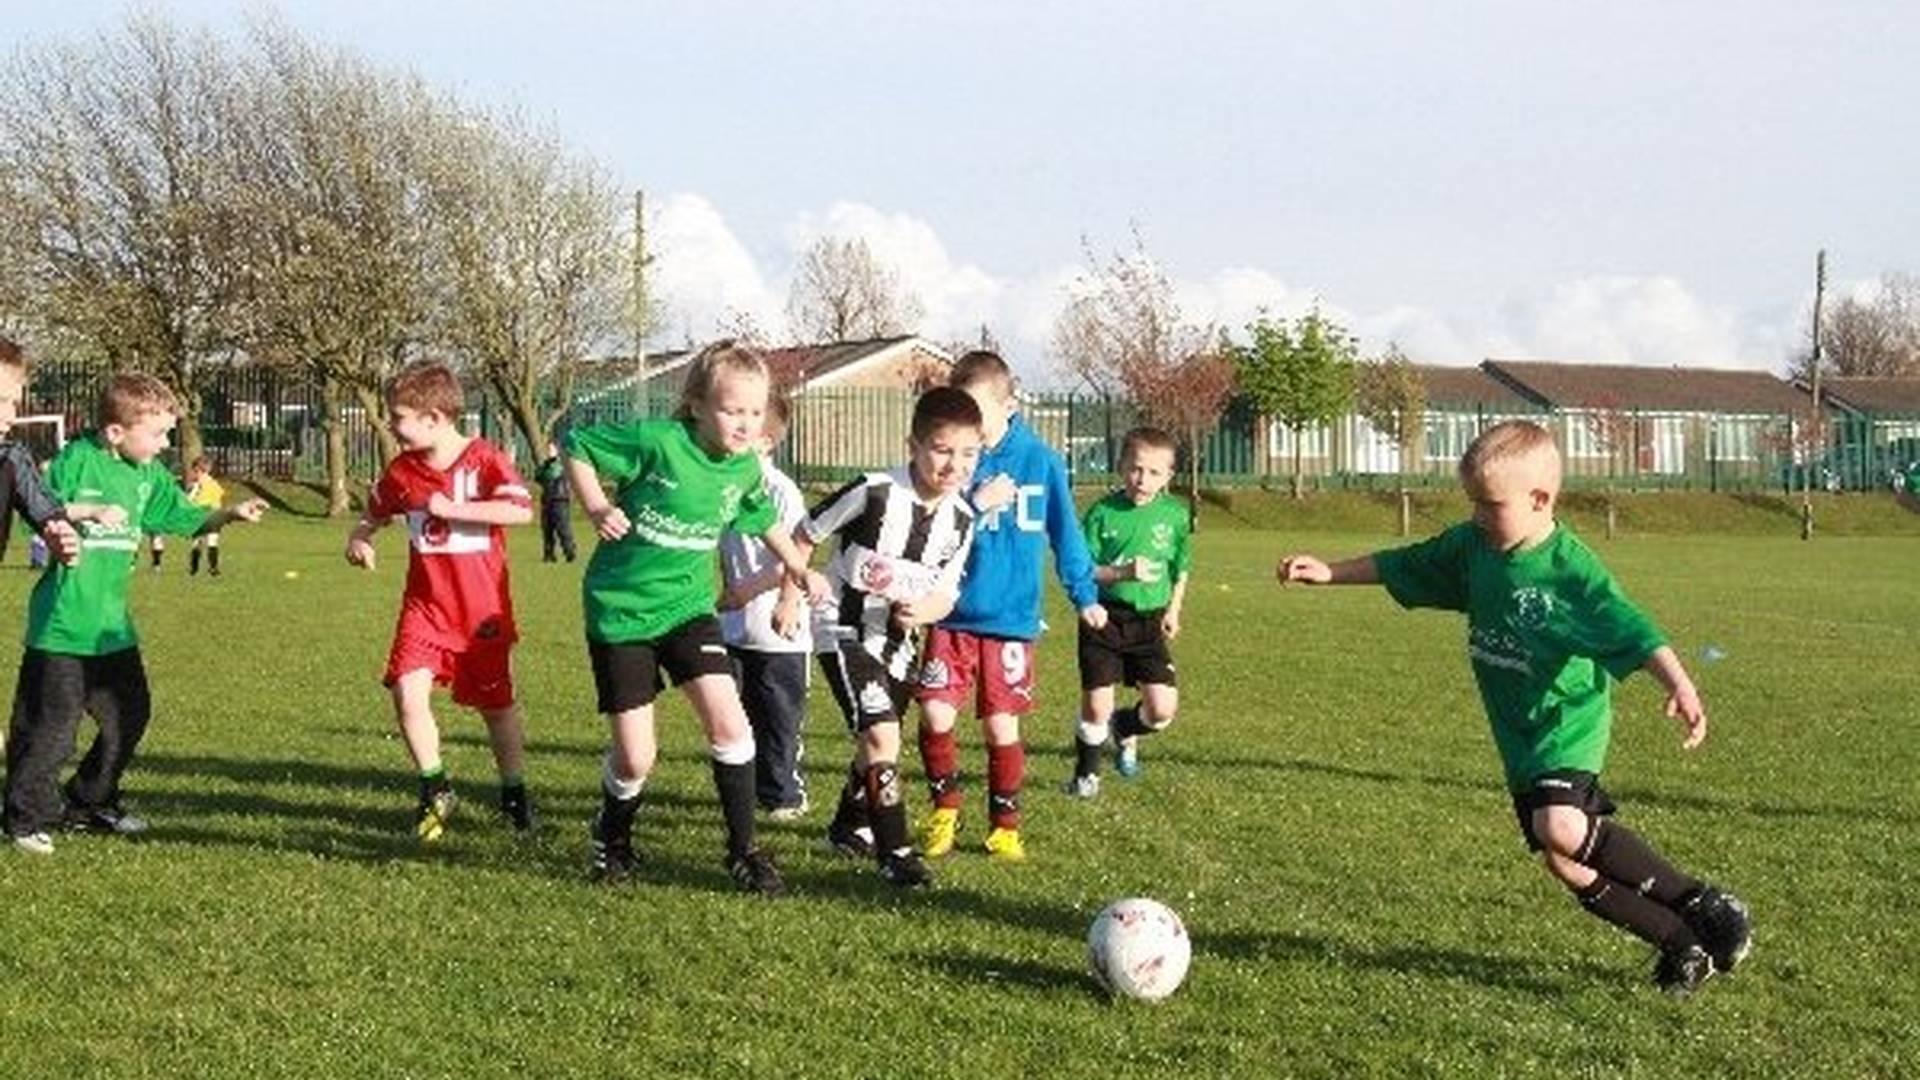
(130, 395)
(1147, 438)
(1504, 443)
(941, 407)
(779, 415)
(11, 355)
(982, 367)
(427, 386)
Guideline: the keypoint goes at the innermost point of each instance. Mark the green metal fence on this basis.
(264, 422)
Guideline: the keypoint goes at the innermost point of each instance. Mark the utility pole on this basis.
(642, 303)
(1818, 415)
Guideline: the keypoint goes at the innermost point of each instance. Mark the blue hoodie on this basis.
(1000, 595)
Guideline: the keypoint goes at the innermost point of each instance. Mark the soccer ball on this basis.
(1138, 948)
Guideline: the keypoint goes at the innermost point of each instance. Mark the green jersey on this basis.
(1119, 531)
(679, 498)
(81, 610)
(1548, 629)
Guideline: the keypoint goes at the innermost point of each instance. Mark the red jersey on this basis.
(456, 571)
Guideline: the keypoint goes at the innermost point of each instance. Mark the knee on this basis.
(736, 750)
(1562, 831)
(1575, 876)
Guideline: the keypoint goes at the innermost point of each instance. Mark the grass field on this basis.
(1327, 816)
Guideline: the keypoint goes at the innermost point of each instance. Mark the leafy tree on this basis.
(1299, 373)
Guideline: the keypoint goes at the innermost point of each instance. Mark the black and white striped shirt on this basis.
(893, 548)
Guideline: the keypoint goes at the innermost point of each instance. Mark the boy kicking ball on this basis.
(1548, 630)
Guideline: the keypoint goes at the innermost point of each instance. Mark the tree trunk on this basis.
(1193, 481)
(375, 405)
(1299, 488)
(335, 423)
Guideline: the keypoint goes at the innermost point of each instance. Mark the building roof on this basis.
(1664, 389)
(1872, 394)
(1461, 387)
(804, 365)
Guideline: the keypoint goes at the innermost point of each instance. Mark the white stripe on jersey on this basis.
(883, 557)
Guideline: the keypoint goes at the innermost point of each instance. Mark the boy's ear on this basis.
(114, 432)
(1542, 498)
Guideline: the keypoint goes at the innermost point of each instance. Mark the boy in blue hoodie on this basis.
(984, 649)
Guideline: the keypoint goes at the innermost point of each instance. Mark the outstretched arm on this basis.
(1308, 570)
(1683, 700)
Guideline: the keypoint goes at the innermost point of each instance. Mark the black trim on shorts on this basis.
(1560, 787)
(1130, 649)
(630, 674)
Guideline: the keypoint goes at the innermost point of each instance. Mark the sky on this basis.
(1629, 182)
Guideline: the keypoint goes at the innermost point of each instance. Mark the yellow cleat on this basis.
(1003, 845)
(430, 822)
(938, 832)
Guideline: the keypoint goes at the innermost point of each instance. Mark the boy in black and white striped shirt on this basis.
(904, 537)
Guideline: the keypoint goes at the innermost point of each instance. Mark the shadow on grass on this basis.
(1629, 796)
(1524, 975)
(988, 970)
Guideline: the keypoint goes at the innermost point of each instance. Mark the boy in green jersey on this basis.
(82, 654)
(1548, 630)
(651, 589)
(1138, 536)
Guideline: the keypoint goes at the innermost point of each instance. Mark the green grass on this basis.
(1326, 815)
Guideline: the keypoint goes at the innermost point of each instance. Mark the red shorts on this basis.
(481, 675)
(956, 661)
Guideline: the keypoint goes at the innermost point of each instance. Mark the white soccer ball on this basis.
(1139, 949)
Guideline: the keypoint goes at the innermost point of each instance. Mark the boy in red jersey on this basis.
(456, 615)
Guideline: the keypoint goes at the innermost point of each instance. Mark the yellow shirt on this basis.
(206, 492)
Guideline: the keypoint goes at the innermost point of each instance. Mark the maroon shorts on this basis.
(997, 672)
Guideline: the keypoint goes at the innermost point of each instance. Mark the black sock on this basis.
(616, 818)
(886, 808)
(1619, 853)
(213, 559)
(433, 783)
(156, 559)
(1086, 758)
(852, 812)
(193, 561)
(735, 785)
(1640, 916)
(1127, 723)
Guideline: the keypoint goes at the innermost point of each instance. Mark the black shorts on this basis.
(1562, 787)
(878, 697)
(1130, 649)
(629, 674)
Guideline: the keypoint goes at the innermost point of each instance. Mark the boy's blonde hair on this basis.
(723, 357)
(982, 367)
(130, 395)
(428, 386)
(1508, 442)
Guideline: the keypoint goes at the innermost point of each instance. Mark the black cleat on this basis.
(518, 809)
(754, 872)
(852, 843)
(1680, 972)
(613, 860)
(1722, 923)
(102, 821)
(905, 869)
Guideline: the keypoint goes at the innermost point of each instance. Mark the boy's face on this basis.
(416, 429)
(1145, 472)
(1513, 501)
(733, 416)
(943, 464)
(12, 384)
(996, 408)
(144, 439)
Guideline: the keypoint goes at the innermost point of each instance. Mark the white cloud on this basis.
(704, 270)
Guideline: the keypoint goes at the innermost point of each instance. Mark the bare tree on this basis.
(842, 293)
(1121, 332)
(330, 194)
(534, 268)
(1878, 335)
(112, 153)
